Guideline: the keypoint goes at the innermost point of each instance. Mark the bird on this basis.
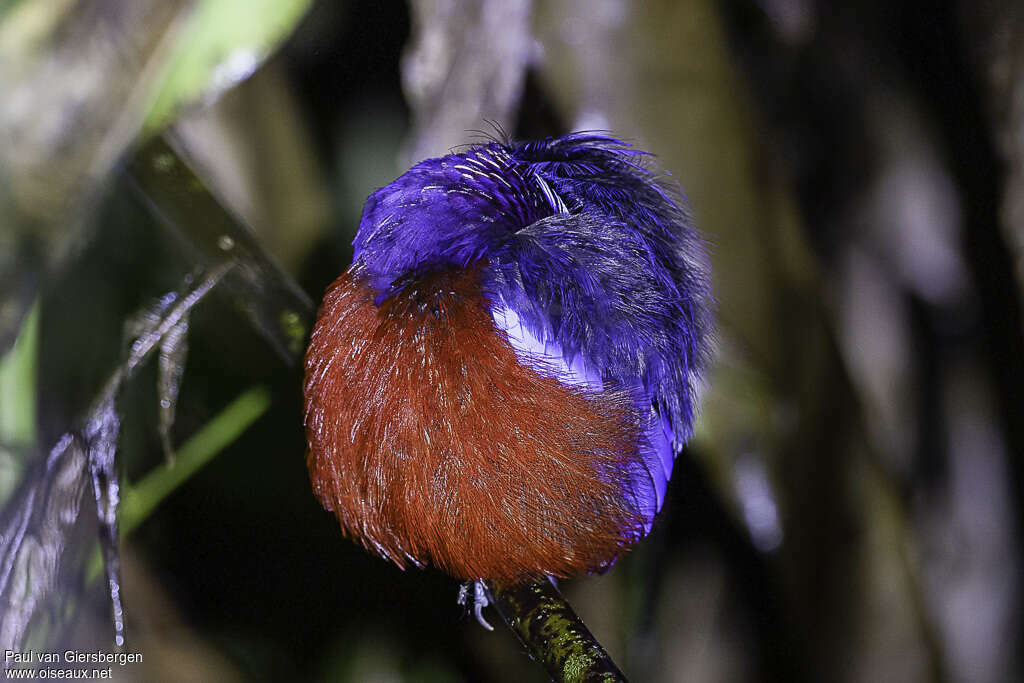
(499, 384)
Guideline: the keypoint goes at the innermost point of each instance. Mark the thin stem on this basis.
(141, 499)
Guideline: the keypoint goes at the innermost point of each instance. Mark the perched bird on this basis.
(500, 382)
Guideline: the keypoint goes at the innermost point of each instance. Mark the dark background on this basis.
(850, 507)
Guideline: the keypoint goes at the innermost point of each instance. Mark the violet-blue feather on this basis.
(591, 264)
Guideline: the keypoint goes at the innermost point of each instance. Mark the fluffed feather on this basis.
(591, 280)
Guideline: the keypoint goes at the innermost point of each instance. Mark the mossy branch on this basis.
(553, 633)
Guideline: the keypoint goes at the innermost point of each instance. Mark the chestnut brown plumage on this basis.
(434, 444)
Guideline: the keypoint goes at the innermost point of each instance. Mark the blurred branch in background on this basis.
(254, 152)
(996, 44)
(463, 70)
(903, 210)
(38, 523)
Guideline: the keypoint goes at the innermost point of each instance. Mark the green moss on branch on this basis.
(554, 634)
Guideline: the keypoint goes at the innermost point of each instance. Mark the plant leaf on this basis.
(224, 42)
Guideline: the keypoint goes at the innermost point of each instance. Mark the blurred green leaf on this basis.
(82, 81)
(18, 386)
(277, 306)
(18, 370)
(142, 498)
(224, 41)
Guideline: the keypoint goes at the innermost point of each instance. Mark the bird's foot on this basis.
(475, 593)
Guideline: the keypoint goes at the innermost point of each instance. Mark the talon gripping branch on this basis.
(499, 384)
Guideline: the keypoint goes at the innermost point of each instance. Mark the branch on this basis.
(553, 633)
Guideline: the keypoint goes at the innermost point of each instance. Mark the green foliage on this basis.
(18, 369)
(221, 43)
(141, 499)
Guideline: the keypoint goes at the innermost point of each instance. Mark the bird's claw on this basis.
(475, 592)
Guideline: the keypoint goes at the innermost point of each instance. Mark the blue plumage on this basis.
(587, 251)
